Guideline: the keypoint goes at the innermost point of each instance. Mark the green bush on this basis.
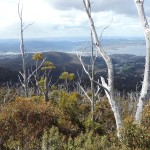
(64, 123)
(23, 121)
(54, 140)
(137, 136)
(104, 116)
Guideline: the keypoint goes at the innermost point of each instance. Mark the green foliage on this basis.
(48, 66)
(67, 76)
(71, 76)
(53, 139)
(55, 96)
(85, 109)
(24, 121)
(41, 84)
(67, 79)
(88, 141)
(104, 116)
(146, 117)
(53, 87)
(136, 136)
(64, 123)
(37, 56)
(70, 105)
(94, 126)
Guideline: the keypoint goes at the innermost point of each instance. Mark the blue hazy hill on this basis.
(113, 45)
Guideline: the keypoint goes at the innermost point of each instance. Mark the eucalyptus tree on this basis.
(67, 77)
(44, 83)
(108, 87)
(37, 57)
(145, 91)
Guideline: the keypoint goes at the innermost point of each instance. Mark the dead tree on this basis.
(25, 75)
(145, 91)
(22, 49)
(91, 75)
(110, 85)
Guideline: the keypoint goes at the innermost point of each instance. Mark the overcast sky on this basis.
(55, 18)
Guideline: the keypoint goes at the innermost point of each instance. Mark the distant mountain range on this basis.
(112, 45)
(128, 68)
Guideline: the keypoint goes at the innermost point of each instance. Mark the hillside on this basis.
(128, 68)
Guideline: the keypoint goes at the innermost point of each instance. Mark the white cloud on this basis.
(65, 18)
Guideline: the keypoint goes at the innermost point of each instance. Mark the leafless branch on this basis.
(36, 69)
(80, 58)
(105, 28)
(20, 10)
(20, 81)
(101, 86)
(28, 26)
(84, 92)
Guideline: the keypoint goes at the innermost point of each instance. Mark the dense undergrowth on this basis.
(64, 123)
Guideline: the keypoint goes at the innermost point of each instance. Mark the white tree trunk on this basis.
(144, 95)
(25, 80)
(110, 86)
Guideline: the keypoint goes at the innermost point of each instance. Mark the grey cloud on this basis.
(65, 4)
(118, 6)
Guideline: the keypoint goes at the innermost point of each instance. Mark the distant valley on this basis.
(128, 68)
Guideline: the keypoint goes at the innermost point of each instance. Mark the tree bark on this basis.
(110, 86)
(145, 91)
(46, 86)
(25, 79)
(92, 81)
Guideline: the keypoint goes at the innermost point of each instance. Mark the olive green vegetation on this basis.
(63, 120)
(64, 123)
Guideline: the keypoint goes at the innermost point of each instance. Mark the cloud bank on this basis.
(67, 17)
(126, 7)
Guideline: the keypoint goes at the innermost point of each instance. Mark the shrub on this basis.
(54, 140)
(7, 95)
(146, 117)
(25, 120)
(104, 116)
(69, 103)
(136, 136)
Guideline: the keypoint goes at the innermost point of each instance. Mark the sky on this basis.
(67, 18)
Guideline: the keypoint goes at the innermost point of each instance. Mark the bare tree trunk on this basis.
(46, 86)
(25, 80)
(145, 91)
(92, 81)
(26, 76)
(91, 75)
(110, 86)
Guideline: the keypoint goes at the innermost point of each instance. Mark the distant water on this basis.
(139, 50)
(134, 46)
